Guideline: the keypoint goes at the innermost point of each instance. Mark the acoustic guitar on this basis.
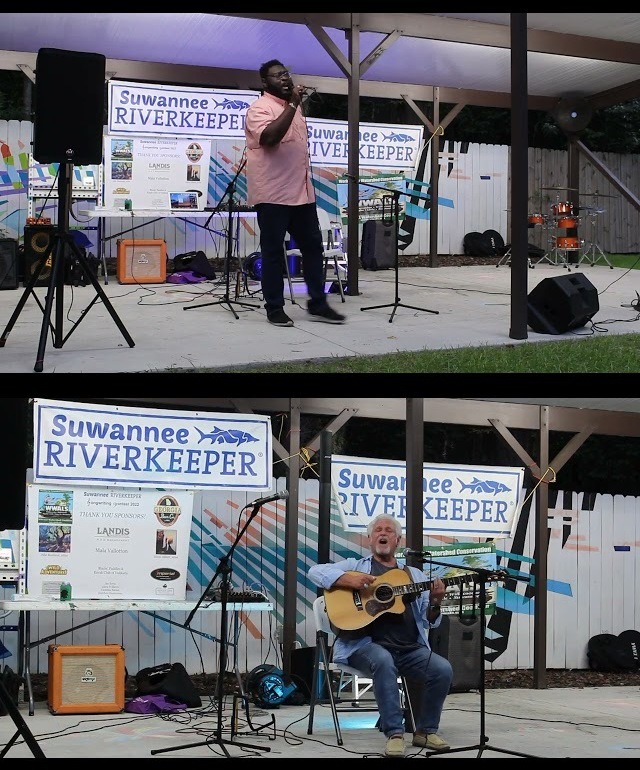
(350, 609)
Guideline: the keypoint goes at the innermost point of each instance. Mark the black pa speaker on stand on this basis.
(70, 100)
(558, 304)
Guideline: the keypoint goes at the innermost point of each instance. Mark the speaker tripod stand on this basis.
(56, 254)
(391, 216)
(226, 299)
(21, 725)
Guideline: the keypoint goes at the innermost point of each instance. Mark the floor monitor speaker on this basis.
(558, 304)
(142, 261)
(86, 679)
(69, 106)
(38, 243)
(377, 248)
(8, 263)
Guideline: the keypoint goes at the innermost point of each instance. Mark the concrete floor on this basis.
(472, 304)
(552, 723)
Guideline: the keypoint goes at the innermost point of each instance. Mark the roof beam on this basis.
(467, 31)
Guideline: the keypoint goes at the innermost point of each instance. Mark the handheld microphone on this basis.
(283, 495)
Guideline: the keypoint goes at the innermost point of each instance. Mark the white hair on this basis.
(384, 517)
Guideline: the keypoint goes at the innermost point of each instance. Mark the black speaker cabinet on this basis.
(377, 248)
(69, 113)
(302, 660)
(557, 305)
(459, 640)
(16, 422)
(8, 263)
(38, 246)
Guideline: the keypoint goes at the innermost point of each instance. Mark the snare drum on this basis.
(536, 219)
(568, 222)
(567, 243)
(566, 207)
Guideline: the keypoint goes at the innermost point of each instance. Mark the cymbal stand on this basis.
(226, 299)
(594, 253)
(483, 576)
(56, 254)
(545, 257)
(391, 206)
(224, 572)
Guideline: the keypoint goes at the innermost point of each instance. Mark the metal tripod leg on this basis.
(593, 259)
(286, 267)
(507, 257)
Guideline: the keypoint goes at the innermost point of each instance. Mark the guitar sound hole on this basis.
(384, 593)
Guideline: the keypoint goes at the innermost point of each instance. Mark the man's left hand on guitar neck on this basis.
(436, 595)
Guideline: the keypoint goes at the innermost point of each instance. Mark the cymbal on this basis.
(596, 195)
(573, 189)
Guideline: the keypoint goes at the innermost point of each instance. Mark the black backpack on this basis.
(497, 242)
(477, 244)
(610, 653)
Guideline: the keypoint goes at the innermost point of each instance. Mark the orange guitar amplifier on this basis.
(142, 261)
(86, 679)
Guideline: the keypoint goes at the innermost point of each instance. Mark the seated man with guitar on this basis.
(383, 615)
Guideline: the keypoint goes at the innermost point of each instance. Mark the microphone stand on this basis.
(226, 299)
(224, 570)
(485, 576)
(393, 200)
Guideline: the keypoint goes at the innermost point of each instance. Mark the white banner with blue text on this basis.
(146, 109)
(458, 500)
(139, 446)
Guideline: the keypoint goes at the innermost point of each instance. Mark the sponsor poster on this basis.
(108, 542)
(470, 563)
(145, 169)
(376, 197)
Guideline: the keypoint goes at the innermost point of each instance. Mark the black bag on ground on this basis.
(12, 683)
(497, 241)
(477, 244)
(610, 653)
(196, 261)
(168, 679)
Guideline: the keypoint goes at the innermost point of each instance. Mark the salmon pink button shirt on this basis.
(279, 174)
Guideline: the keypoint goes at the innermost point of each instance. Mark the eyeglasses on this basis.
(280, 75)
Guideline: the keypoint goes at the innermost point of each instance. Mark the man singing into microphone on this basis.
(394, 644)
(279, 186)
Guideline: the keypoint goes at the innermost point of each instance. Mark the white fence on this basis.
(473, 196)
(593, 585)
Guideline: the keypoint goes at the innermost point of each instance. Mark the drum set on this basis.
(561, 226)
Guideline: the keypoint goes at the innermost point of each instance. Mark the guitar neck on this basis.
(417, 588)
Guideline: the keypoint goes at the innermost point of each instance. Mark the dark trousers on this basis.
(301, 222)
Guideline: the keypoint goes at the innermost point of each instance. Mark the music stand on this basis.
(394, 196)
(20, 724)
(484, 576)
(56, 253)
(226, 299)
(224, 571)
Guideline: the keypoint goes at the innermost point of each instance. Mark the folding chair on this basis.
(322, 676)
